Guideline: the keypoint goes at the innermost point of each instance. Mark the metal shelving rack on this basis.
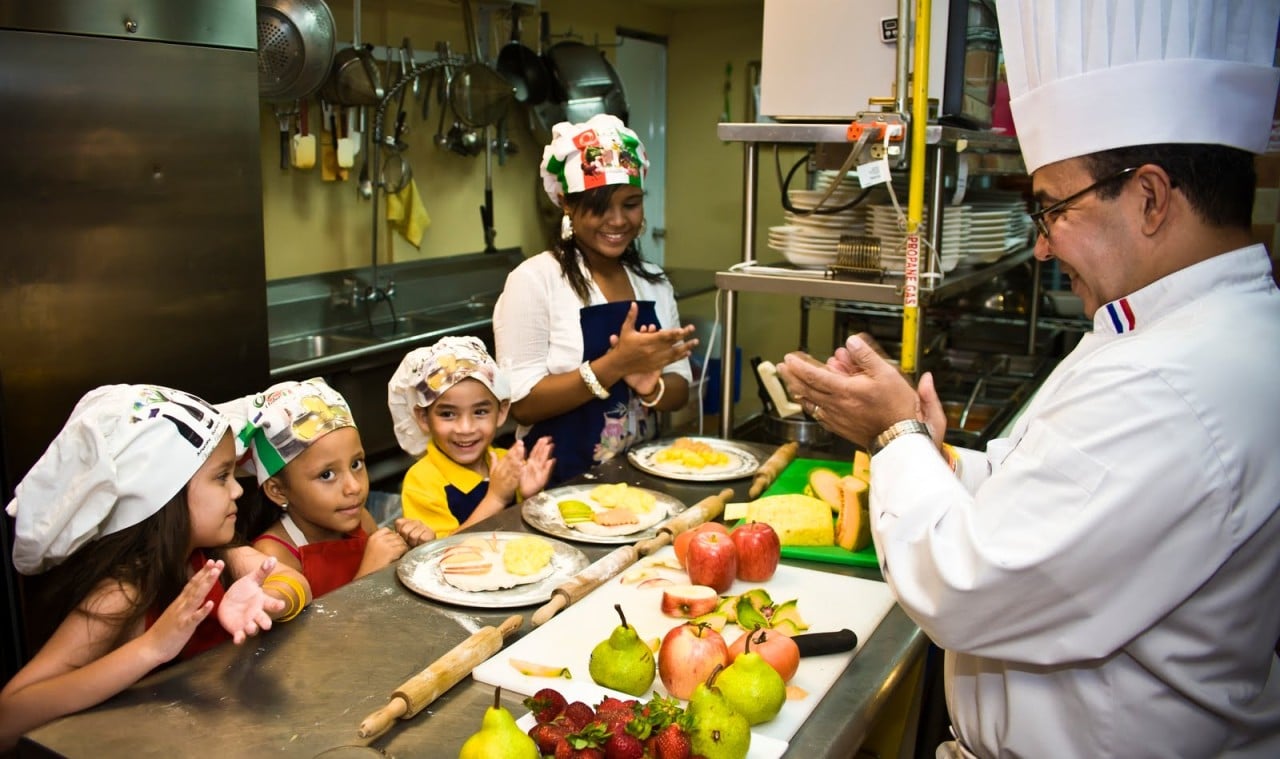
(939, 139)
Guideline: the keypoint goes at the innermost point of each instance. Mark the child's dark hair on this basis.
(595, 202)
(150, 558)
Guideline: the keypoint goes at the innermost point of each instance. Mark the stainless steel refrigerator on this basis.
(131, 245)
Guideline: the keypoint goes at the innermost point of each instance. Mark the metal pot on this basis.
(585, 82)
(295, 48)
(354, 79)
(801, 429)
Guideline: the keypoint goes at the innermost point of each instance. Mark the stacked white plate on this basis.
(998, 225)
(884, 224)
(809, 240)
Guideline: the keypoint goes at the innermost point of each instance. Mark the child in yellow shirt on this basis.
(447, 402)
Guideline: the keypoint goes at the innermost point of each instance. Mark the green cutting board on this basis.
(793, 480)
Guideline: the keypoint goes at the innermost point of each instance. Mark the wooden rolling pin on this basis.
(442, 674)
(770, 469)
(608, 566)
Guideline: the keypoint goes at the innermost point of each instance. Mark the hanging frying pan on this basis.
(522, 67)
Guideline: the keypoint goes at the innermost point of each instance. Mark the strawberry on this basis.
(583, 744)
(547, 735)
(623, 746)
(609, 704)
(577, 715)
(672, 743)
(546, 705)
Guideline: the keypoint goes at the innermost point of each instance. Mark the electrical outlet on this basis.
(878, 152)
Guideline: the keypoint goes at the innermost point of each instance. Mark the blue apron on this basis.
(601, 428)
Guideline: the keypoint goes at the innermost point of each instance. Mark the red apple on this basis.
(681, 543)
(689, 601)
(758, 551)
(689, 654)
(712, 560)
(780, 651)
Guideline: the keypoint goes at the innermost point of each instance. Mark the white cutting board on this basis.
(827, 602)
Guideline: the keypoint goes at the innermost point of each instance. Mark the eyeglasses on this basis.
(1046, 216)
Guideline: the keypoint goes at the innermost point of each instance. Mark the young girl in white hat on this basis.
(131, 510)
(307, 455)
(447, 402)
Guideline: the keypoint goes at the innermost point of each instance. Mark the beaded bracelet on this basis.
(296, 597)
(662, 388)
(593, 383)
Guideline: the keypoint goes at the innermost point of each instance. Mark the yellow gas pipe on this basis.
(915, 196)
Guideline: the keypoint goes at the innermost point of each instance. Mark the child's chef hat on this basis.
(283, 421)
(599, 152)
(426, 373)
(124, 452)
(1092, 75)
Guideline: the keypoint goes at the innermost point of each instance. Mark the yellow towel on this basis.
(407, 214)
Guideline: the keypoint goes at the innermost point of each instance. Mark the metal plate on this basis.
(742, 461)
(542, 513)
(419, 570)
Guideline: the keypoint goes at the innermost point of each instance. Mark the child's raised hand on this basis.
(413, 532)
(384, 546)
(537, 468)
(504, 473)
(246, 609)
(181, 618)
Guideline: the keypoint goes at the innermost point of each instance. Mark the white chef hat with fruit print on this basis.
(426, 373)
(278, 424)
(598, 152)
(125, 452)
(1093, 75)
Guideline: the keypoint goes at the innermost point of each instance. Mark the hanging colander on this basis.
(295, 48)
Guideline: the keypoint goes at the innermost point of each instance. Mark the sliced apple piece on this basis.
(656, 582)
(533, 669)
(689, 601)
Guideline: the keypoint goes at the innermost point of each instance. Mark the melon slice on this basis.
(862, 466)
(853, 525)
(825, 484)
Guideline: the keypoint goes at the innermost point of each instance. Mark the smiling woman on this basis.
(589, 331)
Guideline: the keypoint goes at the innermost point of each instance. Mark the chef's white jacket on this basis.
(1106, 580)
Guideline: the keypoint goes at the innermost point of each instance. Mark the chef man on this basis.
(1105, 581)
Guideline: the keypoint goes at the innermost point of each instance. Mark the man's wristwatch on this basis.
(897, 430)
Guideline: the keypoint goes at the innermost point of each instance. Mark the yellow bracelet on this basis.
(298, 596)
(292, 610)
(662, 388)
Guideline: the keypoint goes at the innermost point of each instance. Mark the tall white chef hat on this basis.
(426, 373)
(1092, 75)
(124, 452)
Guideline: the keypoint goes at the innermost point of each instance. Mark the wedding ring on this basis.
(817, 412)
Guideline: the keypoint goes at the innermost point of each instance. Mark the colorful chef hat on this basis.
(426, 373)
(124, 452)
(1092, 75)
(602, 151)
(283, 421)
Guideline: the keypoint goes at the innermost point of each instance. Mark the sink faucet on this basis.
(373, 293)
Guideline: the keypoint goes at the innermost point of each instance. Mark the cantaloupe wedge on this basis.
(862, 466)
(825, 484)
(853, 525)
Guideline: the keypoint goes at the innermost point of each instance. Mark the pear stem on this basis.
(714, 674)
(497, 697)
(746, 647)
(621, 616)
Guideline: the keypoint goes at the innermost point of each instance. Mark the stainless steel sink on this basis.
(312, 347)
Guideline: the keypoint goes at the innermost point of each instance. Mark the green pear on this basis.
(719, 731)
(622, 661)
(499, 737)
(753, 687)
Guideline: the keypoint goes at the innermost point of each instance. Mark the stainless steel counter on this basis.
(302, 688)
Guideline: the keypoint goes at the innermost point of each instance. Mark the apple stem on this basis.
(621, 616)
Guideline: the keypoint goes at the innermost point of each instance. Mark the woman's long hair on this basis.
(595, 202)
(150, 558)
